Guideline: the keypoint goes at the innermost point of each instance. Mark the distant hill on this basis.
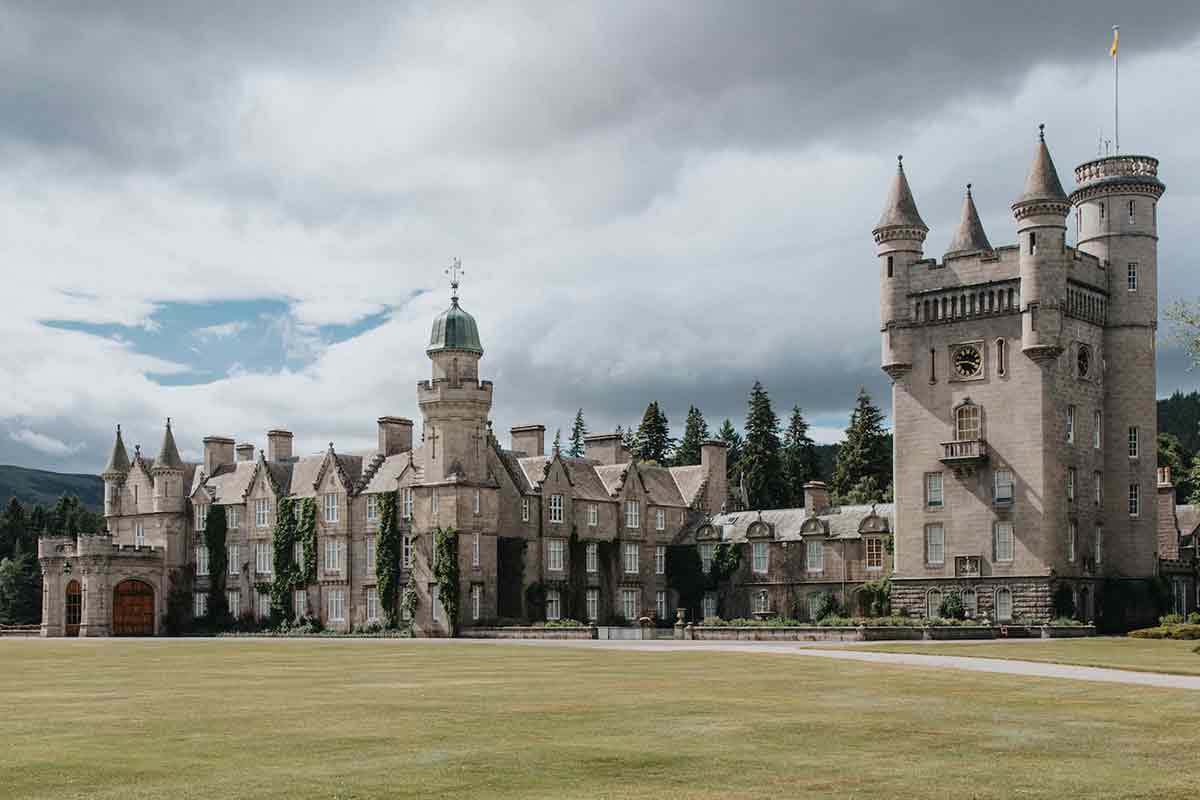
(40, 487)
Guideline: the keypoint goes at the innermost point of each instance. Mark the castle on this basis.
(1025, 425)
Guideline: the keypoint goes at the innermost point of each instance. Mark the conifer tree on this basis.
(578, 432)
(695, 432)
(557, 446)
(653, 440)
(800, 461)
(628, 438)
(864, 454)
(761, 467)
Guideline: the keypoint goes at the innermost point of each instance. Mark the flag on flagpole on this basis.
(1112, 51)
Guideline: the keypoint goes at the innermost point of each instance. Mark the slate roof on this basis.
(387, 473)
(843, 521)
(1189, 519)
(900, 209)
(1042, 182)
(229, 483)
(689, 481)
(969, 237)
(601, 482)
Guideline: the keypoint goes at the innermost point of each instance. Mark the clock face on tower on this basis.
(967, 362)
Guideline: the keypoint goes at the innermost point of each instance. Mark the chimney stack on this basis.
(218, 451)
(395, 435)
(816, 497)
(245, 451)
(1168, 526)
(529, 439)
(714, 459)
(607, 448)
(279, 445)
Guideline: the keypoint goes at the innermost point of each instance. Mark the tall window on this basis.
(331, 508)
(660, 604)
(554, 554)
(406, 500)
(933, 489)
(660, 520)
(200, 604)
(233, 516)
(593, 605)
(591, 557)
(631, 557)
(139, 534)
(660, 560)
(762, 603)
(370, 541)
(1004, 541)
(553, 605)
(262, 601)
(967, 423)
(262, 512)
(1004, 605)
(300, 603)
(524, 509)
(1098, 543)
(1070, 483)
(889, 266)
(710, 604)
(201, 513)
(1003, 481)
(1132, 215)
(333, 555)
(760, 557)
(970, 601)
(407, 551)
(1098, 488)
(874, 547)
(372, 509)
(633, 512)
(935, 545)
(629, 604)
(435, 603)
(262, 558)
(474, 549)
(475, 503)
(233, 599)
(201, 560)
(232, 557)
(706, 557)
(1135, 499)
(1072, 539)
(593, 515)
(337, 605)
(298, 552)
(1133, 441)
(433, 501)
(814, 555)
(476, 601)
(1033, 243)
(1070, 424)
(1131, 276)
(556, 508)
(372, 597)
(1001, 357)
(933, 603)
(1097, 428)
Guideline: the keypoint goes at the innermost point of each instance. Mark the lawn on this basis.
(1142, 655)
(358, 719)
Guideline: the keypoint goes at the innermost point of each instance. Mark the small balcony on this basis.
(964, 456)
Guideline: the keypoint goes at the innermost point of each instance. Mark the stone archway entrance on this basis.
(74, 609)
(133, 609)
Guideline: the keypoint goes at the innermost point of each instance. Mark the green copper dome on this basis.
(454, 329)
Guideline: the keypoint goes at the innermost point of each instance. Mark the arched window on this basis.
(1010, 299)
(933, 603)
(954, 306)
(926, 310)
(970, 601)
(74, 612)
(1001, 357)
(968, 425)
(1004, 603)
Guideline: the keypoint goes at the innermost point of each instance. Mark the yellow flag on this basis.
(1112, 51)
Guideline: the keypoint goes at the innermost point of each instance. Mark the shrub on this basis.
(1177, 631)
(1194, 618)
(1063, 601)
(952, 607)
(1170, 619)
(829, 606)
(564, 623)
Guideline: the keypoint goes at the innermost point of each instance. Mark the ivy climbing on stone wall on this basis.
(218, 563)
(388, 551)
(307, 533)
(287, 571)
(445, 573)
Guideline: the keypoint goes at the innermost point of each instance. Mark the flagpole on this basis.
(1116, 89)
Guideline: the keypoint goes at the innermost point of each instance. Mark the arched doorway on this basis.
(74, 611)
(133, 609)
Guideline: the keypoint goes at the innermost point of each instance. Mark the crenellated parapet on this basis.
(1122, 174)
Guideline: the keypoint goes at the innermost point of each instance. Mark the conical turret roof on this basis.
(901, 209)
(168, 454)
(118, 460)
(969, 237)
(1042, 184)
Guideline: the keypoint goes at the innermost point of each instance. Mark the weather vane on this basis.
(455, 271)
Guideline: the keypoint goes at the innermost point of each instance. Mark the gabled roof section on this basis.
(660, 486)
(690, 481)
(789, 524)
(512, 465)
(231, 483)
(613, 476)
(168, 453)
(348, 469)
(386, 476)
(1188, 517)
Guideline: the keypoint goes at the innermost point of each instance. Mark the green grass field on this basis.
(1142, 655)
(358, 719)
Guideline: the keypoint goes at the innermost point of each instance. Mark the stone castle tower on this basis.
(1024, 391)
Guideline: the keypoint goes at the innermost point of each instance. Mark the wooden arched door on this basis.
(133, 609)
(74, 612)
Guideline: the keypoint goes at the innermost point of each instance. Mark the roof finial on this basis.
(168, 422)
(1041, 132)
(900, 164)
(455, 271)
(968, 190)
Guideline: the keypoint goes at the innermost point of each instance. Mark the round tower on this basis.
(1041, 213)
(114, 477)
(899, 239)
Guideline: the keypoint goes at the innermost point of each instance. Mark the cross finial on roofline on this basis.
(455, 271)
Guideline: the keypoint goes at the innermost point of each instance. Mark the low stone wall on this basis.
(722, 633)
(20, 630)
(528, 632)
(751, 633)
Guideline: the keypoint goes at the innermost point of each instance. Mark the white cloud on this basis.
(224, 330)
(43, 443)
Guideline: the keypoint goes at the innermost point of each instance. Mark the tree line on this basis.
(767, 463)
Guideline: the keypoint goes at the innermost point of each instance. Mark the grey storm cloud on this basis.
(655, 201)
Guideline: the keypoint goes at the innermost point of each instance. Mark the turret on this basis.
(114, 476)
(970, 237)
(899, 237)
(1041, 213)
(168, 474)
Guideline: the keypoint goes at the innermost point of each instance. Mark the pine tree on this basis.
(653, 440)
(864, 453)
(557, 446)
(800, 461)
(628, 438)
(695, 432)
(20, 588)
(1194, 480)
(578, 432)
(761, 467)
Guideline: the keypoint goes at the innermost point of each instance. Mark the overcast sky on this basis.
(238, 215)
